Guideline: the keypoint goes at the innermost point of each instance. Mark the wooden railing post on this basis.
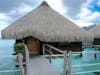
(50, 58)
(43, 49)
(65, 63)
(69, 62)
(27, 60)
(20, 62)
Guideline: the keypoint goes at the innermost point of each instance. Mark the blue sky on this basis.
(81, 12)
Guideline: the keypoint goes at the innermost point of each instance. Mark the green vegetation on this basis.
(19, 48)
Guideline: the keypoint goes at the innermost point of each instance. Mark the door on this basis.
(33, 45)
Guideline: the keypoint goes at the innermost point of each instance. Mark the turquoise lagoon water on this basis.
(7, 60)
(87, 58)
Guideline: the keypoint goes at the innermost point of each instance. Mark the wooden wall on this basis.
(35, 46)
(69, 46)
(96, 41)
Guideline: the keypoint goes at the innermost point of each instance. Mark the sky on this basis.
(81, 12)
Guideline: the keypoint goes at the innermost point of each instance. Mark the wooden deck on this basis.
(35, 65)
(38, 65)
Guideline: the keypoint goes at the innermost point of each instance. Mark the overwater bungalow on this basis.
(45, 25)
(96, 32)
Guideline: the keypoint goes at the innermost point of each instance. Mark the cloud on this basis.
(87, 15)
(14, 14)
(82, 23)
(73, 7)
(84, 13)
(58, 7)
(94, 17)
(4, 19)
(21, 10)
(7, 5)
(77, 10)
(32, 2)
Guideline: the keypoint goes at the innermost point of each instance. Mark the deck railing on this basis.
(6, 71)
(20, 63)
(85, 65)
(68, 58)
(10, 72)
(24, 70)
(48, 51)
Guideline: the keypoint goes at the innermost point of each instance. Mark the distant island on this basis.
(89, 27)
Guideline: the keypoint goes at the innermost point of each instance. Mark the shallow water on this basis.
(87, 58)
(7, 60)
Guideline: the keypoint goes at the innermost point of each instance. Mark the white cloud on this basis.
(94, 17)
(7, 18)
(24, 8)
(84, 13)
(86, 17)
(4, 17)
(82, 18)
(3, 26)
(21, 10)
(82, 23)
(57, 5)
(18, 12)
(89, 16)
(73, 7)
(4, 21)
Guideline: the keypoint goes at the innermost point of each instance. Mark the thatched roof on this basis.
(95, 31)
(46, 25)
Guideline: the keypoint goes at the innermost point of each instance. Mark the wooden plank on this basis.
(39, 65)
(65, 63)
(56, 49)
(27, 60)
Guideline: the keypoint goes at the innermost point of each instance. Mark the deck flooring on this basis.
(38, 65)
